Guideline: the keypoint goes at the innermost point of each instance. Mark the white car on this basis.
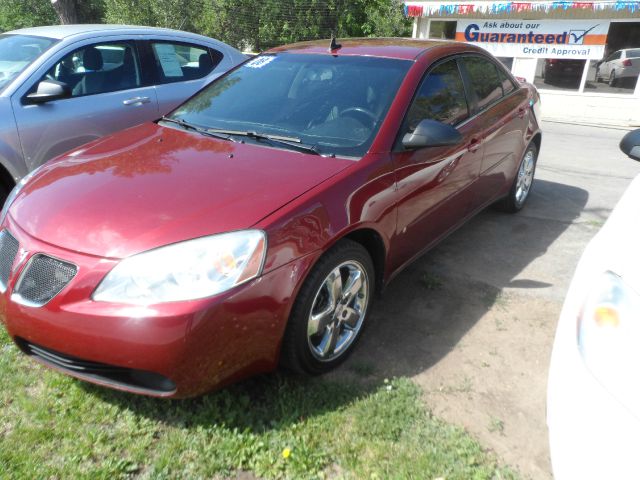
(593, 395)
(619, 65)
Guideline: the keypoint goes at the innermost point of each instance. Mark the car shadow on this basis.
(421, 316)
(425, 312)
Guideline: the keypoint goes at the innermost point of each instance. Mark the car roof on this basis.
(400, 48)
(60, 32)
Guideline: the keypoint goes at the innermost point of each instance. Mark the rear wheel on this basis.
(523, 182)
(330, 311)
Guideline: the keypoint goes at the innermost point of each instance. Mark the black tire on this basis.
(297, 352)
(613, 81)
(513, 203)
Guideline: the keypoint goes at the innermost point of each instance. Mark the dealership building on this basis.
(584, 57)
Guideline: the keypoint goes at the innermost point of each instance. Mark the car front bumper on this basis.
(177, 349)
(592, 435)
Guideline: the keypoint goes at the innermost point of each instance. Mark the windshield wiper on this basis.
(202, 131)
(292, 142)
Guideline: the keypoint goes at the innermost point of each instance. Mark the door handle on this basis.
(474, 144)
(136, 101)
(521, 112)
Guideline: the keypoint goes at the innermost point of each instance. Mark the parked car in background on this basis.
(620, 66)
(562, 70)
(257, 221)
(63, 86)
(593, 396)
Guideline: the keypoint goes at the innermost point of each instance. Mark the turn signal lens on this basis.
(609, 334)
(606, 316)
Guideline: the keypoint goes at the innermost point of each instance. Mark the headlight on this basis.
(14, 193)
(185, 271)
(609, 335)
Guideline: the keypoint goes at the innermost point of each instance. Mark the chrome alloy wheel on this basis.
(525, 176)
(338, 311)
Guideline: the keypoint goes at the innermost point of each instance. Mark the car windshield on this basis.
(333, 104)
(17, 52)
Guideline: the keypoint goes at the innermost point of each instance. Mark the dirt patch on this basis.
(480, 355)
(473, 321)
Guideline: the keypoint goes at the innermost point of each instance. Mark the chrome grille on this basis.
(8, 251)
(42, 279)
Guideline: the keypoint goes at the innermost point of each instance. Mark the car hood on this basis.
(151, 186)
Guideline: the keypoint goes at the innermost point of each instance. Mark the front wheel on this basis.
(330, 311)
(613, 81)
(523, 182)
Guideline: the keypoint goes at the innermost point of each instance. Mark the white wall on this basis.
(597, 109)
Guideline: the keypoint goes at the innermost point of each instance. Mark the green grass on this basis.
(54, 427)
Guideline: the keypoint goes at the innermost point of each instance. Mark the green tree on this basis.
(178, 14)
(16, 14)
(385, 18)
(26, 13)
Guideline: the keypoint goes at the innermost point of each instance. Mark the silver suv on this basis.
(63, 86)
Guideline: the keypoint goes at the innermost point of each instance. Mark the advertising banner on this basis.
(584, 39)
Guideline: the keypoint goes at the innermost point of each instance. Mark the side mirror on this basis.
(630, 144)
(430, 133)
(47, 91)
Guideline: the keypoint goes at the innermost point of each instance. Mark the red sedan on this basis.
(255, 224)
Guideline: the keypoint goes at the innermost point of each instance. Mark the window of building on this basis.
(559, 73)
(442, 29)
(617, 71)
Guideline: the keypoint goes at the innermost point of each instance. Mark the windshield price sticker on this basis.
(261, 61)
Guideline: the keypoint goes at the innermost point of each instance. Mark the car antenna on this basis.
(334, 45)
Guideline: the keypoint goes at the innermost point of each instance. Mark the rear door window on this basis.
(507, 83)
(440, 97)
(485, 84)
(177, 62)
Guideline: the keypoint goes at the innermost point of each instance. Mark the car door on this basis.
(499, 109)
(180, 69)
(434, 183)
(107, 93)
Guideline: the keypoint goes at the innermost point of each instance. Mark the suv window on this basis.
(440, 97)
(98, 68)
(484, 81)
(177, 62)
